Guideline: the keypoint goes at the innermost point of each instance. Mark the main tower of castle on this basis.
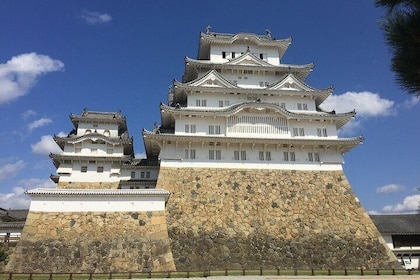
(254, 164)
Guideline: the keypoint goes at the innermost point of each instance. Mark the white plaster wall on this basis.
(97, 204)
(271, 55)
(109, 174)
(246, 165)
(87, 148)
(112, 128)
(172, 155)
(126, 173)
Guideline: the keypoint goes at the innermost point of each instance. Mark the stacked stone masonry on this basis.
(93, 242)
(221, 218)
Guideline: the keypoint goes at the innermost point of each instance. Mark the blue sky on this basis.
(59, 57)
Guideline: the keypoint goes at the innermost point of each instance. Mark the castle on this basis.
(245, 170)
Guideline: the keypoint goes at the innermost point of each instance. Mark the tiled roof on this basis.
(9, 215)
(44, 192)
(397, 224)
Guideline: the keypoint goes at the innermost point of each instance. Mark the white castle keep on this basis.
(244, 170)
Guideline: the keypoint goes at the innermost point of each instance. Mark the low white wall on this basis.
(53, 200)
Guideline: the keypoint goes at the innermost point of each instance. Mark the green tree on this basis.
(401, 25)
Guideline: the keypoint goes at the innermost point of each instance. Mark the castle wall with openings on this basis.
(238, 218)
(93, 242)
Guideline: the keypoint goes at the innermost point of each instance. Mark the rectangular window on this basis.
(268, 156)
(236, 155)
(190, 128)
(192, 154)
(292, 156)
(298, 131)
(189, 154)
(233, 54)
(248, 71)
(147, 174)
(305, 106)
(211, 154)
(261, 56)
(83, 169)
(100, 169)
(321, 132)
(261, 155)
(218, 154)
(301, 131)
(317, 157)
(261, 84)
(299, 106)
(220, 103)
(201, 102)
(285, 156)
(310, 157)
(223, 54)
(214, 129)
(243, 155)
(142, 174)
(133, 174)
(226, 102)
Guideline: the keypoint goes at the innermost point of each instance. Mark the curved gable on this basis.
(290, 82)
(212, 79)
(248, 59)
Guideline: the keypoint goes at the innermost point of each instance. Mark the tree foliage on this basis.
(401, 25)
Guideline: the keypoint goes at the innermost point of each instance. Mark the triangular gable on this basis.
(248, 59)
(290, 82)
(211, 79)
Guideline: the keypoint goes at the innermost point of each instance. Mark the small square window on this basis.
(100, 169)
(83, 169)
(133, 174)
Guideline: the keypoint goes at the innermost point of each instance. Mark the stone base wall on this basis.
(88, 185)
(220, 218)
(93, 242)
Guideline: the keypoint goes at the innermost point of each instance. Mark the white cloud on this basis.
(17, 199)
(10, 169)
(391, 188)
(20, 74)
(141, 155)
(409, 205)
(28, 113)
(366, 104)
(39, 123)
(411, 102)
(62, 134)
(96, 17)
(45, 146)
